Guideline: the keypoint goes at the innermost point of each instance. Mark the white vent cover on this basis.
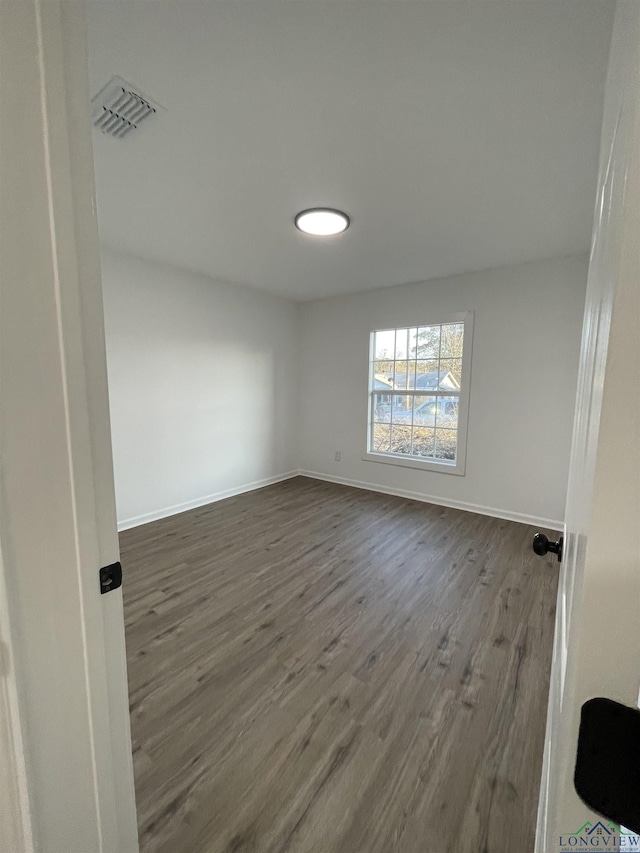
(118, 109)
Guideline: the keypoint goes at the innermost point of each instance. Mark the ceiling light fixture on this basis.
(322, 221)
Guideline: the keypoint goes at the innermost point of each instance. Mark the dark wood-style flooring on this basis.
(319, 669)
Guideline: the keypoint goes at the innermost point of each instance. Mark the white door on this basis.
(597, 643)
(63, 693)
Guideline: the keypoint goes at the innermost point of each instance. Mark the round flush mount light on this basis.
(322, 221)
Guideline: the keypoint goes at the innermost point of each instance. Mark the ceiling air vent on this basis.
(118, 109)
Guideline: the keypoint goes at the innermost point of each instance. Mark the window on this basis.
(418, 394)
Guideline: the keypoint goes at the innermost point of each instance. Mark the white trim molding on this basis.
(494, 512)
(176, 509)
(436, 467)
(16, 831)
(507, 515)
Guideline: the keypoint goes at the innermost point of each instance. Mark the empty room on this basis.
(341, 311)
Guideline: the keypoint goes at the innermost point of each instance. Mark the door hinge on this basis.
(110, 577)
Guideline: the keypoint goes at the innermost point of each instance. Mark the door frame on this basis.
(613, 257)
(64, 723)
(15, 823)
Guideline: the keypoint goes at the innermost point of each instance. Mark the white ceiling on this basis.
(457, 135)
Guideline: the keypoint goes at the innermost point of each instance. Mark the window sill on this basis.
(421, 464)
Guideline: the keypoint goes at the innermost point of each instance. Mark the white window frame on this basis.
(442, 466)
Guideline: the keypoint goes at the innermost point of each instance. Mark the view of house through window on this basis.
(415, 386)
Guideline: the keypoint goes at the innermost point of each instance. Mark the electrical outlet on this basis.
(337, 456)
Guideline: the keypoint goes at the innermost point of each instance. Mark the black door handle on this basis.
(606, 775)
(543, 545)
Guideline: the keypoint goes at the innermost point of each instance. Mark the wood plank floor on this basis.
(320, 669)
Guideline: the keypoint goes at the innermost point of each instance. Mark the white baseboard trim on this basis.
(548, 523)
(137, 520)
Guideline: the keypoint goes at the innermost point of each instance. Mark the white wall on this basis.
(207, 397)
(527, 326)
(202, 378)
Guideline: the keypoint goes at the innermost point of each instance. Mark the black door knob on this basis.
(543, 545)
